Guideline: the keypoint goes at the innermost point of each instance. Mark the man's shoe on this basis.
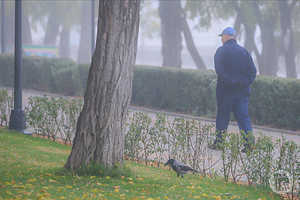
(247, 148)
(216, 146)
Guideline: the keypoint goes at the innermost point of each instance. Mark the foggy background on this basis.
(269, 29)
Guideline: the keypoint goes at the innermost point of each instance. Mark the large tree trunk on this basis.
(64, 44)
(287, 38)
(100, 129)
(191, 45)
(52, 29)
(170, 17)
(84, 53)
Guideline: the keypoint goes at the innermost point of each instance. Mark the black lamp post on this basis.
(2, 27)
(93, 26)
(17, 118)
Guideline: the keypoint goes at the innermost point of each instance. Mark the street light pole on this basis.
(2, 27)
(17, 117)
(93, 26)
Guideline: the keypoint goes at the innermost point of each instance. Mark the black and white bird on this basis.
(179, 167)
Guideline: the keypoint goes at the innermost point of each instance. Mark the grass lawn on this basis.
(32, 168)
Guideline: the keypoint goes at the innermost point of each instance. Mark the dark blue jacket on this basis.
(235, 69)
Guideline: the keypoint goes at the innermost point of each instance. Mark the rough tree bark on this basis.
(99, 135)
(84, 52)
(287, 37)
(170, 17)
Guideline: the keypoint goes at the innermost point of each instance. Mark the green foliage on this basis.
(44, 74)
(54, 118)
(273, 101)
(150, 139)
(31, 168)
(186, 91)
(5, 107)
(97, 170)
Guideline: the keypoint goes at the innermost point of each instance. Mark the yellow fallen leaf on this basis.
(205, 195)
(31, 180)
(218, 197)
(69, 186)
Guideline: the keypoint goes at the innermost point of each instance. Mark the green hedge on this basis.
(274, 102)
(44, 74)
(186, 91)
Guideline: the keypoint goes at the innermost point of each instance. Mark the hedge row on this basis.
(44, 74)
(274, 102)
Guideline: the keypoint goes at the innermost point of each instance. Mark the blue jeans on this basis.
(237, 104)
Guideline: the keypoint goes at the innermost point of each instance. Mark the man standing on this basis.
(236, 72)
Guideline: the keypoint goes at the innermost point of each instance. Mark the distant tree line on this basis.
(275, 20)
(57, 19)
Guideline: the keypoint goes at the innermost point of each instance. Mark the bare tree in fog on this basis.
(84, 51)
(52, 27)
(287, 36)
(173, 24)
(257, 15)
(9, 28)
(244, 17)
(170, 16)
(267, 16)
(190, 43)
(64, 43)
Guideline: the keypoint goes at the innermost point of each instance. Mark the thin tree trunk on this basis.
(238, 23)
(100, 129)
(268, 58)
(170, 17)
(9, 29)
(287, 38)
(191, 44)
(84, 53)
(27, 36)
(52, 29)
(249, 38)
(64, 44)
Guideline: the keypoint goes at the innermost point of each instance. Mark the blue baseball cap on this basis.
(228, 31)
